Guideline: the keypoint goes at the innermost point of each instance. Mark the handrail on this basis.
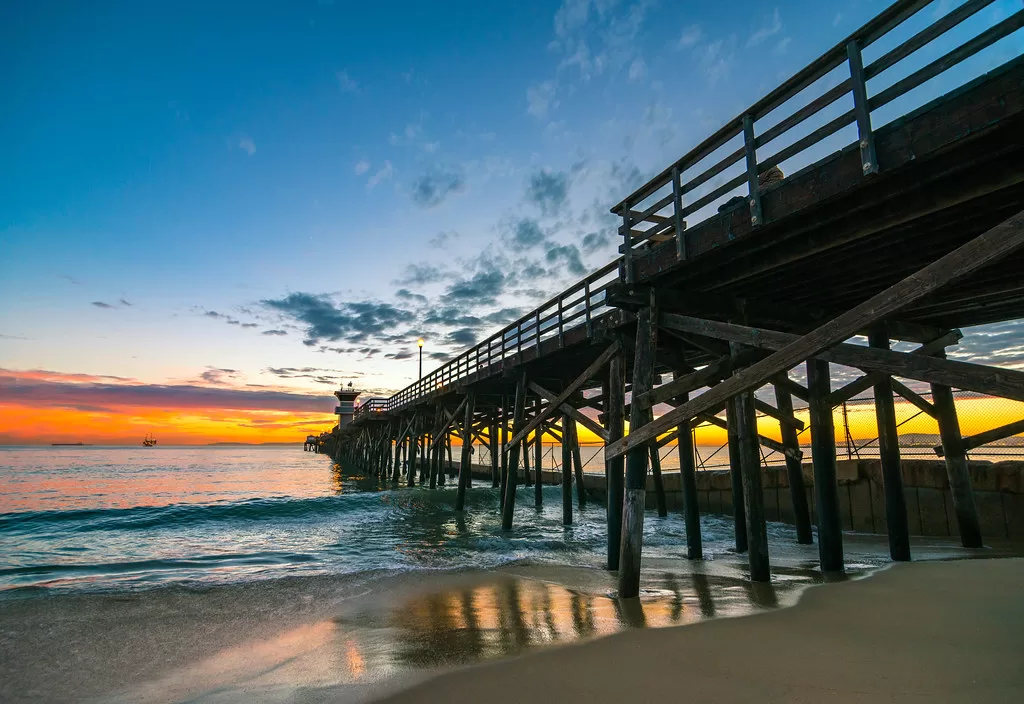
(658, 206)
(550, 320)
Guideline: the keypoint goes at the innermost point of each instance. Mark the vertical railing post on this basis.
(627, 237)
(586, 308)
(677, 207)
(561, 341)
(861, 110)
(754, 198)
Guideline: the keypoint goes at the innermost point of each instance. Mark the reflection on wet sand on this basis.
(509, 615)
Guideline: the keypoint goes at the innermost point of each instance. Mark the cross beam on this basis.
(989, 247)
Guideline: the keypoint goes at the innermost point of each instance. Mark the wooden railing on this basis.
(660, 206)
(370, 407)
(577, 306)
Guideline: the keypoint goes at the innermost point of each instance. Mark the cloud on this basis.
(432, 188)
(123, 302)
(597, 240)
(320, 375)
(548, 190)
(569, 255)
(637, 70)
(215, 375)
(540, 98)
(274, 333)
(442, 238)
(526, 233)
(101, 304)
(325, 320)
(422, 274)
(384, 173)
(40, 388)
(717, 59)
(247, 145)
(483, 287)
(408, 295)
(782, 46)
(769, 30)
(361, 167)
(690, 36)
(346, 83)
(465, 337)
(837, 19)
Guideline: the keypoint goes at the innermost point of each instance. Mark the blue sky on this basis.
(295, 191)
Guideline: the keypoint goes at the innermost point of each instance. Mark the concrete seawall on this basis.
(998, 491)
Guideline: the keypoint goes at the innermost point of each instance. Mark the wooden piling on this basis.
(688, 481)
(538, 464)
(631, 545)
(889, 455)
(739, 515)
(566, 470)
(413, 448)
(794, 469)
(504, 451)
(614, 408)
(659, 484)
(753, 496)
(577, 463)
(956, 465)
(509, 506)
(465, 467)
(495, 451)
(823, 456)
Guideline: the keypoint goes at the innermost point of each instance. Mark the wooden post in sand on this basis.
(688, 482)
(512, 477)
(753, 497)
(566, 470)
(823, 455)
(659, 484)
(577, 462)
(615, 402)
(631, 544)
(467, 445)
(794, 468)
(538, 463)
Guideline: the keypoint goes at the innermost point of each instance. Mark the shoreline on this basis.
(359, 637)
(910, 631)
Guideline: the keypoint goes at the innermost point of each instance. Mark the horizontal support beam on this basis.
(915, 398)
(775, 445)
(973, 441)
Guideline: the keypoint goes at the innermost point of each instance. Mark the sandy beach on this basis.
(936, 632)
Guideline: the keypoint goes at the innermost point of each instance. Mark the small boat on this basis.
(149, 441)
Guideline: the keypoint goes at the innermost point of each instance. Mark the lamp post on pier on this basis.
(420, 343)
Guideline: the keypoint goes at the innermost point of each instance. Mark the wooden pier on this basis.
(910, 232)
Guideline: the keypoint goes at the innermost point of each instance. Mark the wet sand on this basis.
(936, 632)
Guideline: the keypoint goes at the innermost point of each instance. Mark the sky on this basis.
(214, 214)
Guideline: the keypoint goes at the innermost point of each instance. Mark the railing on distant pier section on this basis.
(578, 305)
(659, 206)
(370, 407)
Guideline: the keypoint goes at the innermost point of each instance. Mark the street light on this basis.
(420, 343)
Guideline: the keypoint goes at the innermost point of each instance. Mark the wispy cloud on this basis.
(247, 145)
(102, 304)
(769, 30)
(384, 173)
(361, 167)
(436, 185)
(690, 36)
(540, 99)
(346, 83)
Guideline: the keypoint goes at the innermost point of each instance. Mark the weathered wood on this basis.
(495, 451)
(577, 463)
(659, 484)
(614, 469)
(753, 496)
(773, 445)
(579, 417)
(956, 467)
(519, 411)
(823, 456)
(538, 462)
(554, 406)
(684, 384)
(631, 545)
(889, 454)
(984, 249)
(994, 381)
(783, 418)
(688, 481)
(739, 513)
(566, 470)
(794, 469)
(869, 163)
(442, 431)
(504, 418)
(984, 438)
(910, 395)
(465, 467)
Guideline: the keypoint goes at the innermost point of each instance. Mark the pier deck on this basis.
(810, 226)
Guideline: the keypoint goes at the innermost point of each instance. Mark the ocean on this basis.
(233, 573)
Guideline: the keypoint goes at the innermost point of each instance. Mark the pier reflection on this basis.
(509, 615)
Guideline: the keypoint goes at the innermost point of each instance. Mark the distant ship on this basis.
(67, 444)
(149, 441)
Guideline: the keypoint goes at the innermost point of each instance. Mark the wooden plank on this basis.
(587, 422)
(659, 483)
(794, 469)
(568, 391)
(753, 496)
(465, 466)
(783, 418)
(688, 480)
(566, 470)
(959, 477)
(994, 381)
(440, 432)
(984, 438)
(912, 396)
(684, 384)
